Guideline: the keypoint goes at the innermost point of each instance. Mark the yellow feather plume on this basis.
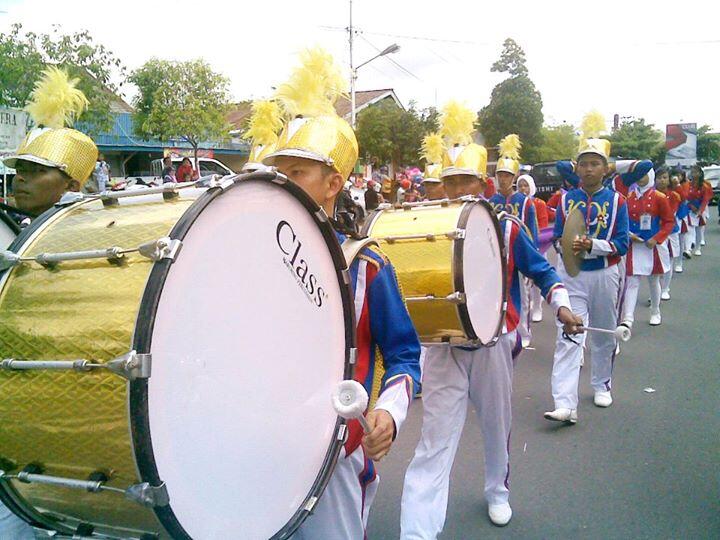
(313, 87)
(433, 148)
(457, 123)
(55, 102)
(510, 146)
(593, 125)
(265, 122)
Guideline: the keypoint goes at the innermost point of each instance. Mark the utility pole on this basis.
(353, 74)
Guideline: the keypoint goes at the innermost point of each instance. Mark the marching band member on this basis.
(317, 150)
(265, 123)
(687, 232)
(432, 153)
(699, 196)
(594, 292)
(665, 186)
(453, 375)
(53, 159)
(651, 222)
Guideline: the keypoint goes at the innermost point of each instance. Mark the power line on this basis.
(403, 36)
(407, 71)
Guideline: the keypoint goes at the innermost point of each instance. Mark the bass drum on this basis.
(204, 410)
(450, 262)
(8, 230)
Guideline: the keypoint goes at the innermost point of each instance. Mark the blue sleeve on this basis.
(559, 224)
(637, 170)
(567, 171)
(392, 330)
(532, 264)
(621, 238)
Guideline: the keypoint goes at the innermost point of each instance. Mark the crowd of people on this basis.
(640, 219)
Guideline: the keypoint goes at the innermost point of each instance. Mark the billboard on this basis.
(681, 144)
(13, 126)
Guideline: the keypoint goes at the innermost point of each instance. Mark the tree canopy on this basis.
(636, 139)
(558, 142)
(180, 100)
(708, 145)
(24, 55)
(515, 104)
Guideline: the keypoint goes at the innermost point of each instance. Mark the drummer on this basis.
(53, 159)
(594, 292)
(452, 374)
(387, 344)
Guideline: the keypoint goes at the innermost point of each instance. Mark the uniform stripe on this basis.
(360, 283)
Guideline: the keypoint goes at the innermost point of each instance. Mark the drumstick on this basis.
(623, 333)
(350, 400)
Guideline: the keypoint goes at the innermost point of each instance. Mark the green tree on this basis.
(24, 55)
(515, 104)
(558, 142)
(636, 139)
(180, 100)
(389, 134)
(708, 145)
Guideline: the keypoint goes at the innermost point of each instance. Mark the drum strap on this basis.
(351, 248)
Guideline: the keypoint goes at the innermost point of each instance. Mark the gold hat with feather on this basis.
(592, 127)
(56, 103)
(265, 123)
(314, 130)
(462, 155)
(433, 148)
(509, 160)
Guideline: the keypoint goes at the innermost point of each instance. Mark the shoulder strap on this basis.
(351, 248)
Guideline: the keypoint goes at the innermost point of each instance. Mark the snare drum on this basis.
(450, 265)
(178, 359)
(8, 230)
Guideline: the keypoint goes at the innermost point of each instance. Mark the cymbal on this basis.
(574, 228)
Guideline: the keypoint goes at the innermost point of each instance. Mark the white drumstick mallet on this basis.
(622, 333)
(350, 400)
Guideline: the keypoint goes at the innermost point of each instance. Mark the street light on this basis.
(388, 50)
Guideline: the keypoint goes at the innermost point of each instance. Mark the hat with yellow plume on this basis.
(314, 130)
(462, 156)
(433, 148)
(592, 126)
(265, 123)
(509, 160)
(56, 103)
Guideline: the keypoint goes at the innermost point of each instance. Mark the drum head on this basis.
(248, 343)
(483, 270)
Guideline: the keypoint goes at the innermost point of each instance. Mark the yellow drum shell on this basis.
(75, 424)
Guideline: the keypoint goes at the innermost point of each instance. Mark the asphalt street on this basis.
(647, 467)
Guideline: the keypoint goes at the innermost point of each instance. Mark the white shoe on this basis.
(562, 415)
(687, 254)
(697, 253)
(603, 399)
(702, 242)
(536, 315)
(525, 342)
(655, 319)
(665, 295)
(678, 269)
(628, 323)
(500, 514)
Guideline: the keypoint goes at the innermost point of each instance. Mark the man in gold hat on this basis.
(52, 159)
(595, 291)
(317, 150)
(453, 375)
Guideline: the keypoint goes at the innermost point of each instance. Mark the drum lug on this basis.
(222, 182)
(457, 298)
(69, 198)
(162, 248)
(147, 495)
(8, 259)
(352, 356)
(131, 366)
(312, 501)
(321, 215)
(457, 234)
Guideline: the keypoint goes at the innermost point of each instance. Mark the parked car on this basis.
(712, 176)
(207, 166)
(547, 179)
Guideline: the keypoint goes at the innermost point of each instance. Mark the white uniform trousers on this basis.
(594, 297)
(451, 377)
(342, 511)
(524, 327)
(12, 527)
(631, 293)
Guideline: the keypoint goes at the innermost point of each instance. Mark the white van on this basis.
(207, 166)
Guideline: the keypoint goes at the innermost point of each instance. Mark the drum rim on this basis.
(142, 342)
(458, 260)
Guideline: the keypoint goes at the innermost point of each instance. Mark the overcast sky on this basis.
(657, 60)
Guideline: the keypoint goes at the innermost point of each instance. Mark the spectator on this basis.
(168, 173)
(400, 195)
(185, 171)
(100, 178)
(372, 196)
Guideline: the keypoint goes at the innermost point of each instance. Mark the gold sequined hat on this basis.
(55, 103)
(314, 130)
(462, 156)
(509, 160)
(594, 146)
(265, 123)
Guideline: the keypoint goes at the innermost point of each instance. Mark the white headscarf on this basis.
(531, 184)
(640, 190)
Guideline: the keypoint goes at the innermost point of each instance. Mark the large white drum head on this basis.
(248, 345)
(7, 235)
(483, 273)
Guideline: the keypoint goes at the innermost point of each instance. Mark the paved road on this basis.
(648, 467)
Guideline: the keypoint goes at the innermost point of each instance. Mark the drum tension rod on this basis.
(457, 234)
(454, 298)
(162, 248)
(130, 365)
(143, 493)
